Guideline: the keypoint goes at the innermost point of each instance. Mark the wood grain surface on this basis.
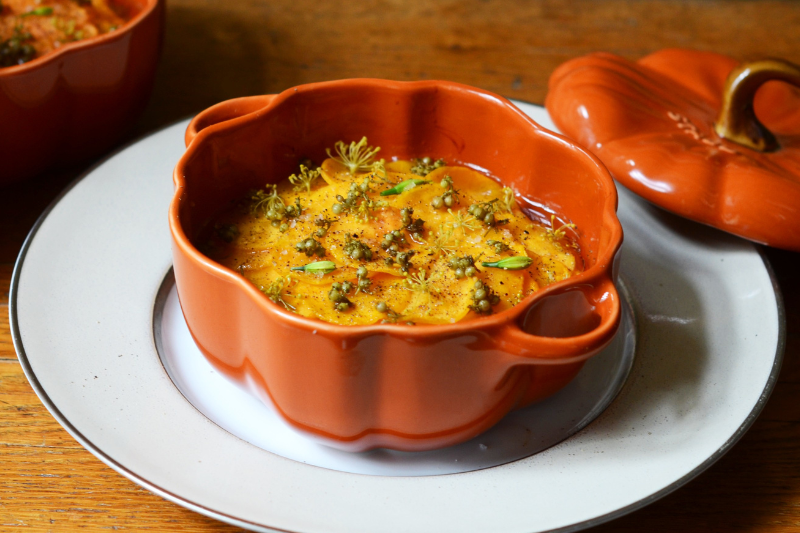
(218, 49)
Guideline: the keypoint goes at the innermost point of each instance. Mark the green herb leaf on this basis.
(518, 262)
(318, 267)
(39, 11)
(404, 186)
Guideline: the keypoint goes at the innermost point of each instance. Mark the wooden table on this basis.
(218, 49)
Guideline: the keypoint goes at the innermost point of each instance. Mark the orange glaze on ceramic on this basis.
(76, 102)
(385, 385)
(652, 122)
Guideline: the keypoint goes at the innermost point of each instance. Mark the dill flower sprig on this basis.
(556, 234)
(508, 199)
(421, 282)
(443, 243)
(266, 201)
(274, 292)
(305, 179)
(355, 156)
(463, 223)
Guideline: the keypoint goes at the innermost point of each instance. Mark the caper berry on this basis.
(437, 202)
(448, 200)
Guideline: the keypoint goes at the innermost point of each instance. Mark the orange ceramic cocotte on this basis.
(78, 101)
(696, 133)
(394, 386)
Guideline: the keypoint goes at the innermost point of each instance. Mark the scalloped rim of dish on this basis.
(121, 469)
(602, 268)
(76, 46)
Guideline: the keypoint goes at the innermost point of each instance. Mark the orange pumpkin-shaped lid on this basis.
(696, 133)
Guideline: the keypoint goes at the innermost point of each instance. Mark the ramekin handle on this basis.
(565, 326)
(225, 111)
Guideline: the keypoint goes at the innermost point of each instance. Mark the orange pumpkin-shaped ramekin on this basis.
(394, 386)
(78, 101)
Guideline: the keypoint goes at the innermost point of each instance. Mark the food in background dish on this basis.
(31, 28)
(360, 240)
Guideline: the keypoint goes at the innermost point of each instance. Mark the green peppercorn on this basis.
(362, 272)
(470, 271)
(437, 202)
(484, 305)
(448, 200)
(337, 209)
(459, 273)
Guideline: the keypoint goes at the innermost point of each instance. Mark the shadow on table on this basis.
(209, 56)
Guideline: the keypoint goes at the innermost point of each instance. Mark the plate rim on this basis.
(254, 526)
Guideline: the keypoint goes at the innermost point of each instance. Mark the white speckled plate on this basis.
(710, 336)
